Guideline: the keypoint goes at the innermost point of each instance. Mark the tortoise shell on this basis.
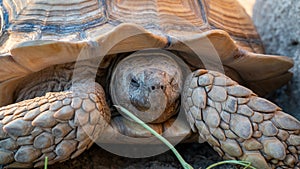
(37, 34)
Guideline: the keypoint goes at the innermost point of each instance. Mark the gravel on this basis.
(278, 23)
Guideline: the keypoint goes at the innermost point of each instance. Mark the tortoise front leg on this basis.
(59, 125)
(238, 124)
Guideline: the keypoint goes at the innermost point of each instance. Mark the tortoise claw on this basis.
(239, 124)
(59, 125)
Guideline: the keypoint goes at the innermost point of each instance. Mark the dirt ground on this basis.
(199, 156)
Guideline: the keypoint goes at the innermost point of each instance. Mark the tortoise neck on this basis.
(55, 79)
(52, 79)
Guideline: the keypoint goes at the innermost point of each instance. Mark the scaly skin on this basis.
(59, 125)
(238, 124)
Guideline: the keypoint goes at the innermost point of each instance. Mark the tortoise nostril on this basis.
(158, 87)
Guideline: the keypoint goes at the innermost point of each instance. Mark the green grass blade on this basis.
(46, 163)
(246, 164)
(184, 164)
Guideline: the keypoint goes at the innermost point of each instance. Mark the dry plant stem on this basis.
(184, 164)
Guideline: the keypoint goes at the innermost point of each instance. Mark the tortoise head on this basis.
(149, 85)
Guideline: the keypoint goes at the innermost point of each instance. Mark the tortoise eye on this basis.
(134, 83)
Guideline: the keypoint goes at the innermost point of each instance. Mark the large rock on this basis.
(278, 23)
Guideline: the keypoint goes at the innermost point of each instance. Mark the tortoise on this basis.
(156, 59)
